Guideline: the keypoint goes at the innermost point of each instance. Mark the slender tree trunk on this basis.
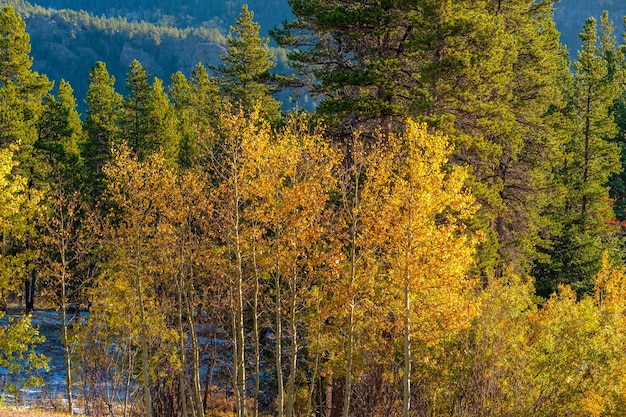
(236, 290)
(352, 211)
(293, 363)
(145, 358)
(347, 394)
(183, 357)
(279, 351)
(127, 387)
(66, 344)
(195, 368)
(257, 348)
(406, 379)
(209, 375)
(66, 349)
(316, 364)
(349, 353)
(408, 258)
(3, 301)
(240, 337)
(233, 324)
(29, 291)
(330, 386)
(195, 356)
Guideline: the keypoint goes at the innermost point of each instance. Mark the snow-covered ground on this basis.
(53, 392)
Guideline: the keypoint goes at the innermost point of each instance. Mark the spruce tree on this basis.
(245, 73)
(197, 104)
(101, 125)
(147, 118)
(21, 89)
(590, 159)
(60, 138)
(21, 94)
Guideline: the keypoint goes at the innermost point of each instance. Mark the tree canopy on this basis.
(442, 234)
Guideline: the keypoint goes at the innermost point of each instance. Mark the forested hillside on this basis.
(68, 38)
(571, 14)
(442, 235)
(179, 13)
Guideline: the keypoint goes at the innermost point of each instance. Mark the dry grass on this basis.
(7, 413)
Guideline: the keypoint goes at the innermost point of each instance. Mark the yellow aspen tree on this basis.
(492, 370)
(155, 238)
(295, 207)
(426, 252)
(190, 243)
(353, 303)
(564, 358)
(226, 159)
(18, 205)
(578, 355)
(284, 177)
(256, 173)
(610, 298)
(63, 244)
(18, 339)
(610, 287)
(142, 197)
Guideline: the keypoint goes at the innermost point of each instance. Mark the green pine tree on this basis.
(245, 73)
(197, 103)
(361, 56)
(102, 126)
(21, 105)
(147, 118)
(589, 161)
(485, 73)
(60, 138)
(21, 89)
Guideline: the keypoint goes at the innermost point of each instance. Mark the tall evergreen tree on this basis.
(60, 138)
(101, 125)
(485, 73)
(21, 95)
(147, 117)
(590, 159)
(359, 52)
(197, 103)
(245, 73)
(21, 89)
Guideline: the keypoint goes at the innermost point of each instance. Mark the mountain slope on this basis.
(570, 16)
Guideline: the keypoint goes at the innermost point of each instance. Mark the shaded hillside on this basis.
(66, 44)
(570, 17)
(180, 13)
(66, 50)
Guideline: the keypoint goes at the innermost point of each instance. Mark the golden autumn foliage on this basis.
(419, 230)
(18, 207)
(270, 212)
(240, 261)
(344, 273)
(426, 256)
(401, 282)
(520, 359)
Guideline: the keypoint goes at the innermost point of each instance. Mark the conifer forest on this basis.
(374, 208)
